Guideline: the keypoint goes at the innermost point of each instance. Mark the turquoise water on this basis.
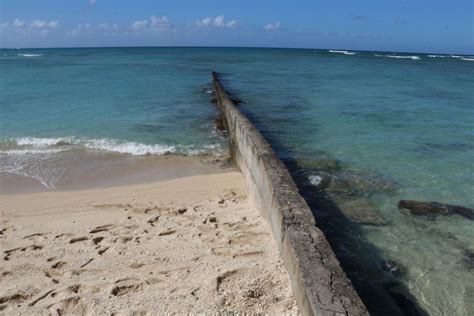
(392, 126)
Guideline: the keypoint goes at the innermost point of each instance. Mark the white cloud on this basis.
(153, 23)
(40, 24)
(41, 27)
(160, 22)
(19, 23)
(218, 21)
(80, 28)
(139, 25)
(272, 26)
(108, 27)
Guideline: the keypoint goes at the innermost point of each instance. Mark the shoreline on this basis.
(118, 171)
(193, 244)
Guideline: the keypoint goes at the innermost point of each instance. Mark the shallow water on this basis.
(400, 126)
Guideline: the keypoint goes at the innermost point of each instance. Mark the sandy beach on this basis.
(189, 245)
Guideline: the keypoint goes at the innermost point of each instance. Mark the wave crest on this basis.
(132, 148)
(30, 55)
(345, 52)
(413, 57)
(40, 142)
(35, 145)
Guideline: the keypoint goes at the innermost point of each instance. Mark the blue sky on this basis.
(415, 25)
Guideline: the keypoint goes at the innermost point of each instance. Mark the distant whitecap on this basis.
(345, 52)
(30, 55)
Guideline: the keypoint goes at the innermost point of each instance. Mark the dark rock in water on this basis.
(435, 208)
(219, 122)
(236, 100)
(214, 100)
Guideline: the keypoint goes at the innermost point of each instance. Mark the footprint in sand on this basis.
(78, 239)
(36, 237)
(123, 239)
(58, 264)
(49, 276)
(153, 220)
(103, 250)
(97, 240)
(101, 228)
(223, 280)
(10, 252)
(69, 306)
(120, 290)
(126, 280)
(18, 297)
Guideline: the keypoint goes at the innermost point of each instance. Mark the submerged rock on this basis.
(435, 208)
(321, 164)
(361, 211)
(356, 183)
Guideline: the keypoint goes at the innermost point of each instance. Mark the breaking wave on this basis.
(345, 52)
(413, 57)
(30, 55)
(34, 145)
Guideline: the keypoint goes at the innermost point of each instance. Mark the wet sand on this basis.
(189, 245)
(99, 170)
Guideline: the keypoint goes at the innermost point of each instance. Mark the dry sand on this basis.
(188, 245)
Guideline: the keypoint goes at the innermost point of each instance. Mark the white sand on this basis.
(188, 245)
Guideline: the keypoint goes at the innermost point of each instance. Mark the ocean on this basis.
(360, 130)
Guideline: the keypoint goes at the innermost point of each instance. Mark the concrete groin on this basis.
(320, 286)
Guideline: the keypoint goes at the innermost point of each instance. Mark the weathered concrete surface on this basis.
(319, 283)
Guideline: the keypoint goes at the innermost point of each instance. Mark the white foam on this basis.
(132, 148)
(315, 180)
(437, 56)
(32, 145)
(404, 57)
(30, 151)
(399, 56)
(30, 55)
(468, 59)
(41, 142)
(345, 52)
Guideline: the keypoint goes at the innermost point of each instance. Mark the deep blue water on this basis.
(399, 126)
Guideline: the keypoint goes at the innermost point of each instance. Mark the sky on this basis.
(435, 26)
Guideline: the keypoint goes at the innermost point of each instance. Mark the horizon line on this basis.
(248, 47)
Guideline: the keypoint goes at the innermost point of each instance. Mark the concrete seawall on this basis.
(319, 284)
